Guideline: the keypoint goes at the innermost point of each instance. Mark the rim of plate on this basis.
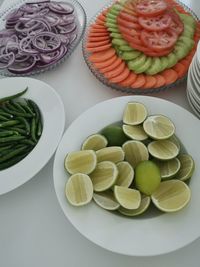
(152, 236)
(52, 111)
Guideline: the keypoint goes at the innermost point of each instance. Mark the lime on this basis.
(80, 162)
(115, 135)
(125, 174)
(187, 167)
(163, 149)
(94, 142)
(135, 113)
(106, 200)
(171, 196)
(104, 176)
(145, 202)
(168, 168)
(135, 152)
(128, 198)
(159, 127)
(112, 153)
(147, 177)
(79, 189)
(174, 139)
(135, 132)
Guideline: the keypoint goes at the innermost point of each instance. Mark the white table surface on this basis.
(33, 228)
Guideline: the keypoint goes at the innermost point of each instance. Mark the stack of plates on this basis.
(193, 83)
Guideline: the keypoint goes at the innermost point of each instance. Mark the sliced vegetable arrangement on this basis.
(142, 44)
(131, 164)
(20, 128)
(37, 35)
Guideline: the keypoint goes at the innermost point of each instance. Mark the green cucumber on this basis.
(109, 20)
(114, 11)
(187, 41)
(145, 66)
(116, 35)
(126, 48)
(111, 16)
(180, 51)
(111, 29)
(188, 31)
(111, 25)
(130, 55)
(156, 66)
(187, 19)
(137, 62)
(172, 60)
(118, 42)
(164, 62)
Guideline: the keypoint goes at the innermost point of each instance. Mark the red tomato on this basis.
(151, 8)
(159, 41)
(157, 23)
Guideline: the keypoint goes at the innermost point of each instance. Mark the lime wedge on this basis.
(104, 176)
(112, 153)
(163, 150)
(115, 135)
(135, 152)
(79, 189)
(147, 177)
(106, 200)
(174, 139)
(159, 127)
(168, 168)
(171, 196)
(135, 113)
(125, 174)
(80, 162)
(145, 202)
(94, 142)
(128, 198)
(135, 132)
(187, 167)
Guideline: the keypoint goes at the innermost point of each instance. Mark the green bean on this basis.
(12, 153)
(20, 114)
(28, 109)
(5, 114)
(28, 142)
(13, 96)
(3, 118)
(8, 123)
(33, 129)
(26, 124)
(39, 128)
(7, 133)
(11, 138)
(3, 148)
(35, 109)
(18, 106)
(12, 161)
(18, 130)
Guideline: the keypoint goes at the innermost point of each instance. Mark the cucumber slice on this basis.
(111, 16)
(111, 29)
(145, 66)
(111, 25)
(137, 62)
(116, 35)
(172, 60)
(164, 62)
(118, 6)
(187, 41)
(188, 31)
(187, 19)
(114, 11)
(130, 55)
(112, 21)
(156, 66)
(180, 51)
(118, 42)
(125, 48)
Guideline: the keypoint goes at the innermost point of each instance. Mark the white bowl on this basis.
(53, 115)
(142, 236)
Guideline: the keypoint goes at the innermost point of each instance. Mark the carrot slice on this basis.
(102, 56)
(104, 64)
(96, 44)
(129, 80)
(117, 71)
(100, 22)
(98, 38)
(99, 48)
(113, 66)
(123, 75)
(150, 82)
(180, 69)
(170, 76)
(139, 82)
(101, 17)
(98, 34)
(128, 17)
(97, 26)
(96, 30)
(160, 80)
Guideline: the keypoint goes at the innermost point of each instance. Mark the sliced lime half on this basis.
(94, 142)
(106, 200)
(134, 114)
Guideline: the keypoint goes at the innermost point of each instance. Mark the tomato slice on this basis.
(159, 41)
(128, 24)
(151, 8)
(176, 23)
(157, 23)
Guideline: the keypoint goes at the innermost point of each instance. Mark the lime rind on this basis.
(169, 168)
(135, 132)
(106, 200)
(94, 142)
(163, 149)
(187, 167)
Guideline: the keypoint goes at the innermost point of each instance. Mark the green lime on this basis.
(104, 176)
(168, 168)
(106, 200)
(79, 189)
(163, 149)
(187, 167)
(128, 198)
(159, 127)
(171, 196)
(147, 177)
(80, 161)
(94, 142)
(115, 135)
(145, 202)
(112, 153)
(135, 113)
(125, 174)
(135, 152)
(135, 132)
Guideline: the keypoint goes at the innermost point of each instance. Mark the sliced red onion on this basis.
(23, 67)
(67, 19)
(25, 46)
(9, 58)
(49, 36)
(21, 57)
(61, 7)
(67, 29)
(38, 2)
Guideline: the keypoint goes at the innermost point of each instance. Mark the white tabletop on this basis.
(33, 229)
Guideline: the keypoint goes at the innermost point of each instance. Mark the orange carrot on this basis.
(123, 75)
(180, 69)
(160, 80)
(99, 48)
(150, 82)
(129, 80)
(96, 44)
(111, 67)
(102, 56)
(98, 38)
(139, 82)
(117, 71)
(170, 76)
(104, 64)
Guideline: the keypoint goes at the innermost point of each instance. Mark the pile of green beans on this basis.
(20, 128)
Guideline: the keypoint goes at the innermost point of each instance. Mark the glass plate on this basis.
(128, 90)
(81, 25)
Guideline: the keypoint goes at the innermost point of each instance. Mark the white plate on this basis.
(53, 115)
(190, 101)
(198, 53)
(144, 236)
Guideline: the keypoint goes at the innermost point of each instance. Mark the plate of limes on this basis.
(127, 179)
